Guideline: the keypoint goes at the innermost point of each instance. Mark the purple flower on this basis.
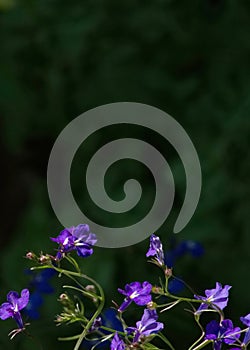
(14, 305)
(155, 250)
(146, 326)
(77, 238)
(96, 324)
(137, 292)
(246, 321)
(217, 296)
(223, 332)
(117, 343)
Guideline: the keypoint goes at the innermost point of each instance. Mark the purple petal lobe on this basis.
(23, 301)
(6, 311)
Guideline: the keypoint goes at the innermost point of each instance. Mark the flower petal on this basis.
(246, 320)
(80, 231)
(84, 251)
(6, 311)
(143, 299)
(23, 301)
(12, 297)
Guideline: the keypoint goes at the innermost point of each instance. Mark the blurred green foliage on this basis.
(59, 59)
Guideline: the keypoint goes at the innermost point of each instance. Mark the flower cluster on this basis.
(147, 326)
(113, 328)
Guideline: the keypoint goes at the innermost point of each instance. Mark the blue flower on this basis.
(155, 250)
(77, 238)
(41, 281)
(146, 326)
(31, 310)
(223, 332)
(14, 305)
(40, 284)
(184, 247)
(108, 319)
(96, 324)
(175, 285)
(117, 343)
(246, 321)
(137, 292)
(217, 296)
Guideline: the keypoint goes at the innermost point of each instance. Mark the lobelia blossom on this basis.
(146, 326)
(223, 332)
(117, 343)
(193, 248)
(77, 238)
(108, 319)
(14, 305)
(137, 292)
(217, 296)
(246, 321)
(40, 284)
(96, 324)
(35, 302)
(155, 250)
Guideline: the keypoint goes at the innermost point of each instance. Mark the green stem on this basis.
(166, 341)
(71, 275)
(189, 300)
(100, 307)
(202, 345)
(111, 330)
(201, 337)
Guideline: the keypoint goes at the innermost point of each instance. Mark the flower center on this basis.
(134, 295)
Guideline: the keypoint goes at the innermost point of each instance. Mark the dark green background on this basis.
(191, 59)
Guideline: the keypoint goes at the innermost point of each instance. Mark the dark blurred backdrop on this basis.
(57, 60)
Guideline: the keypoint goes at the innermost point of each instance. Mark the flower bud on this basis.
(43, 259)
(90, 288)
(157, 290)
(59, 319)
(63, 297)
(168, 272)
(151, 305)
(30, 256)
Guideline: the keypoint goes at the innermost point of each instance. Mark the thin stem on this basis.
(201, 337)
(71, 275)
(111, 330)
(191, 300)
(166, 341)
(202, 345)
(170, 305)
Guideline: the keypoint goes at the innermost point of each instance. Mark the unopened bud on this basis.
(90, 288)
(44, 259)
(30, 256)
(157, 290)
(168, 272)
(151, 305)
(63, 297)
(59, 319)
